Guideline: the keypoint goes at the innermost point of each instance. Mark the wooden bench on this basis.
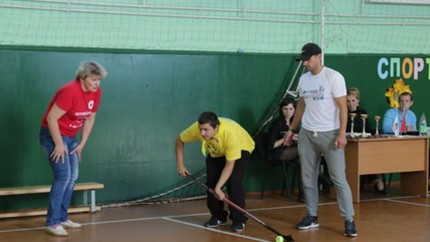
(85, 187)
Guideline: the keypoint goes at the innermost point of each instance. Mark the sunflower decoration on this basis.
(394, 92)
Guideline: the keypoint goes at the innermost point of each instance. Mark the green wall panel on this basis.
(362, 71)
(148, 98)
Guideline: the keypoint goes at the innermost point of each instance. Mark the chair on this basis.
(262, 143)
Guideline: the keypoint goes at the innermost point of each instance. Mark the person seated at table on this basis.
(407, 121)
(278, 151)
(353, 101)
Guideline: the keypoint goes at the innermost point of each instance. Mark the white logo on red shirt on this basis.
(91, 104)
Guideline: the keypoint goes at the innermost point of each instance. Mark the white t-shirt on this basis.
(319, 92)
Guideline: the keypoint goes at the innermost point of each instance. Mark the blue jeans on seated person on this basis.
(65, 175)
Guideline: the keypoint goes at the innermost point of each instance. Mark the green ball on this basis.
(279, 239)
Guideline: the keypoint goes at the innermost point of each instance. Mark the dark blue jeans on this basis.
(65, 175)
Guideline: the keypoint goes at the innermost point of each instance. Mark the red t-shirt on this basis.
(78, 105)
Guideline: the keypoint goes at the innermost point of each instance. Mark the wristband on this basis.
(293, 130)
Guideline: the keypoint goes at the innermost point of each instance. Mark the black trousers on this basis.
(235, 189)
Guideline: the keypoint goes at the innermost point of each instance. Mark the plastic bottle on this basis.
(423, 125)
(395, 126)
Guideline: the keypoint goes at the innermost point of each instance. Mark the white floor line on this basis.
(390, 199)
(289, 206)
(409, 203)
(215, 230)
(188, 215)
(146, 218)
(386, 198)
(21, 230)
(92, 223)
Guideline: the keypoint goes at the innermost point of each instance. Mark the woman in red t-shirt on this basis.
(73, 108)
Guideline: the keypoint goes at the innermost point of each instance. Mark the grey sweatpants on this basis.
(311, 145)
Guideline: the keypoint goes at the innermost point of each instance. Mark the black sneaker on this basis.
(238, 226)
(350, 229)
(308, 222)
(214, 222)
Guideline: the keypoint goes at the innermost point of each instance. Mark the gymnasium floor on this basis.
(387, 218)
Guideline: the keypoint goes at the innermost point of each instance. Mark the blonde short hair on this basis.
(353, 91)
(87, 68)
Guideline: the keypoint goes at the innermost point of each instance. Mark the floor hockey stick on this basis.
(287, 238)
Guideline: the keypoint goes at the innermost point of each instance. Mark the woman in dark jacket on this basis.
(277, 151)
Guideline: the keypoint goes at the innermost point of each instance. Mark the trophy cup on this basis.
(352, 116)
(364, 117)
(377, 118)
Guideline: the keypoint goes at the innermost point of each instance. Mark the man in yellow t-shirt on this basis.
(227, 147)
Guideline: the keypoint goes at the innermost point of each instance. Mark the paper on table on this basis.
(357, 134)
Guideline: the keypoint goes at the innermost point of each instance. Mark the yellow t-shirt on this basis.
(229, 141)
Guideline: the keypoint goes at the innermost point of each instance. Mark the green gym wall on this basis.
(164, 71)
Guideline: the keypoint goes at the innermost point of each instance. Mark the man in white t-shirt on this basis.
(323, 113)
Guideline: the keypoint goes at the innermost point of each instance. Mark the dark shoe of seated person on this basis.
(383, 191)
(325, 180)
(301, 197)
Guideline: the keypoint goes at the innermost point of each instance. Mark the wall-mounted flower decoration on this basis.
(394, 92)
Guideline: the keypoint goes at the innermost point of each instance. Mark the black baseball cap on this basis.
(308, 51)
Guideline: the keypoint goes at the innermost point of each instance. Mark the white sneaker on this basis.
(70, 224)
(56, 230)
